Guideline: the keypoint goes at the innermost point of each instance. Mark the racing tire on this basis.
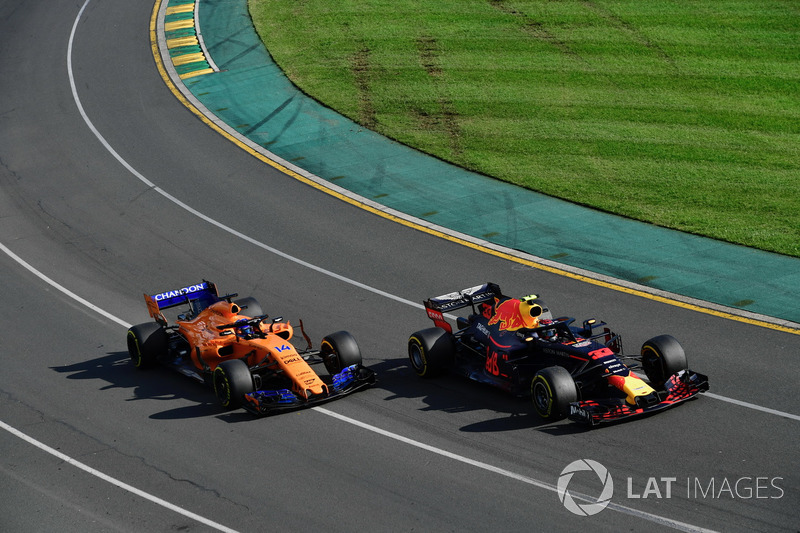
(662, 357)
(232, 380)
(146, 342)
(249, 307)
(431, 351)
(552, 390)
(339, 350)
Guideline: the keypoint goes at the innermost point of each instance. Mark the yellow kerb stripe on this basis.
(183, 8)
(196, 73)
(182, 41)
(187, 58)
(179, 25)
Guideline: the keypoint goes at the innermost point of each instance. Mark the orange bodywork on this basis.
(211, 345)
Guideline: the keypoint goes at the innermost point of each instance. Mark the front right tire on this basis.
(552, 390)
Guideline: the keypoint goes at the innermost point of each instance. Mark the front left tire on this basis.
(232, 380)
(662, 357)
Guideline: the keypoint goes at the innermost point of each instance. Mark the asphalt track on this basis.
(406, 455)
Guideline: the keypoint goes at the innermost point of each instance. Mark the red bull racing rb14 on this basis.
(579, 372)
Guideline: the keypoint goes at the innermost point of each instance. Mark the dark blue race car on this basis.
(571, 371)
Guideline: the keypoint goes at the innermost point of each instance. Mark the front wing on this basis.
(682, 386)
(351, 379)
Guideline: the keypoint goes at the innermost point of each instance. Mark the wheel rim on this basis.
(652, 364)
(541, 398)
(417, 359)
(222, 388)
(331, 358)
(133, 350)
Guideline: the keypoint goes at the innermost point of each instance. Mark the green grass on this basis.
(681, 113)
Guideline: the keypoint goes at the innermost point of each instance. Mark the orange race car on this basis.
(231, 345)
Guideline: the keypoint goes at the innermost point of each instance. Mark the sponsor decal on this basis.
(434, 314)
(512, 314)
(575, 410)
(553, 351)
(180, 292)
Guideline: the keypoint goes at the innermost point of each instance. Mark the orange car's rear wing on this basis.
(203, 291)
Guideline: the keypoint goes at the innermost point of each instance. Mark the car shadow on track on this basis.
(454, 394)
(448, 393)
(157, 383)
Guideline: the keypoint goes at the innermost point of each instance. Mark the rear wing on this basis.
(205, 291)
(437, 306)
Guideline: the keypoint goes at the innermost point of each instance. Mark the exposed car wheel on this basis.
(339, 350)
(250, 306)
(431, 351)
(232, 380)
(662, 357)
(552, 390)
(146, 342)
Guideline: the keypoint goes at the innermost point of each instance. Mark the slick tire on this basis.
(146, 342)
(249, 307)
(232, 380)
(431, 351)
(339, 350)
(662, 357)
(552, 390)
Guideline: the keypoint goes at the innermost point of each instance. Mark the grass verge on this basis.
(684, 114)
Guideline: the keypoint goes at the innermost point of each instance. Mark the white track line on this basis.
(752, 406)
(114, 481)
(669, 522)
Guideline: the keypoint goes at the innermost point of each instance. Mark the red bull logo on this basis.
(513, 314)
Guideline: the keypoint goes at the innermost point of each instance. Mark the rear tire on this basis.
(662, 357)
(232, 380)
(249, 307)
(552, 390)
(146, 342)
(339, 350)
(431, 351)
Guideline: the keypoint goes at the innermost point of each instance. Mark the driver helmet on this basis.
(245, 329)
(548, 334)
